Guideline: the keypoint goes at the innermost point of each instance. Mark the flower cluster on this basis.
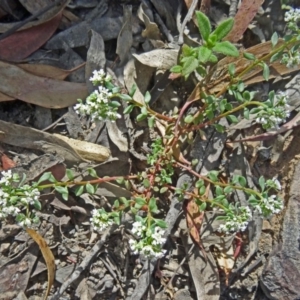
(16, 201)
(291, 59)
(292, 17)
(236, 220)
(273, 184)
(151, 240)
(100, 78)
(275, 111)
(269, 205)
(100, 220)
(99, 105)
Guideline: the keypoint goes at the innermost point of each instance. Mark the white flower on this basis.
(138, 228)
(237, 221)
(25, 223)
(269, 206)
(157, 236)
(6, 177)
(293, 15)
(100, 220)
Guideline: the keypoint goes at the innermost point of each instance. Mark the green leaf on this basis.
(241, 86)
(242, 181)
(195, 162)
(213, 175)
(120, 180)
(61, 189)
(219, 190)
(176, 69)
(146, 183)
(213, 58)
(203, 54)
(246, 113)
(228, 189)
(202, 190)
(276, 56)
(70, 174)
(262, 183)
(226, 48)
(147, 97)
(37, 205)
(186, 50)
(46, 176)
(141, 117)
(92, 172)
(128, 109)
(152, 205)
(90, 188)
(219, 128)
(190, 65)
(199, 183)
(232, 119)
(117, 203)
(204, 25)
(223, 28)
(266, 71)
(274, 39)
(247, 95)
(79, 190)
(249, 56)
(22, 180)
(160, 223)
(231, 69)
(114, 104)
(151, 121)
(132, 90)
(163, 189)
(189, 119)
(141, 201)
(125, 97)
(144, 110)
(202, 207)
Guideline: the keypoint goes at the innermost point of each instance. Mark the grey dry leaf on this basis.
(51, 13)
(159, 58)
(151, 31)
(95, 58)
(42, 91)
(67, 148)
(140, 75)
(125, 38)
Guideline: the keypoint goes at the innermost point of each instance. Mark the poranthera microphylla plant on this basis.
(20, 200)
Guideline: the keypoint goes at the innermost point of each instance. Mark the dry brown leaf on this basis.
(226, 261)
(242, 19)
(87, 150)
(48, 257)
(42, 91)
(56, 9)
(71, 150)
(48, 71)
(23, 43)
(194, 220)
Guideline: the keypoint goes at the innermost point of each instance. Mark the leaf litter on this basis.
(136, 43)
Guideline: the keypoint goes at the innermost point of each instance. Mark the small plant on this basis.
(19, 200)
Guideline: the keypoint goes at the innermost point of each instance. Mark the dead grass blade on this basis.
(48, 257)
